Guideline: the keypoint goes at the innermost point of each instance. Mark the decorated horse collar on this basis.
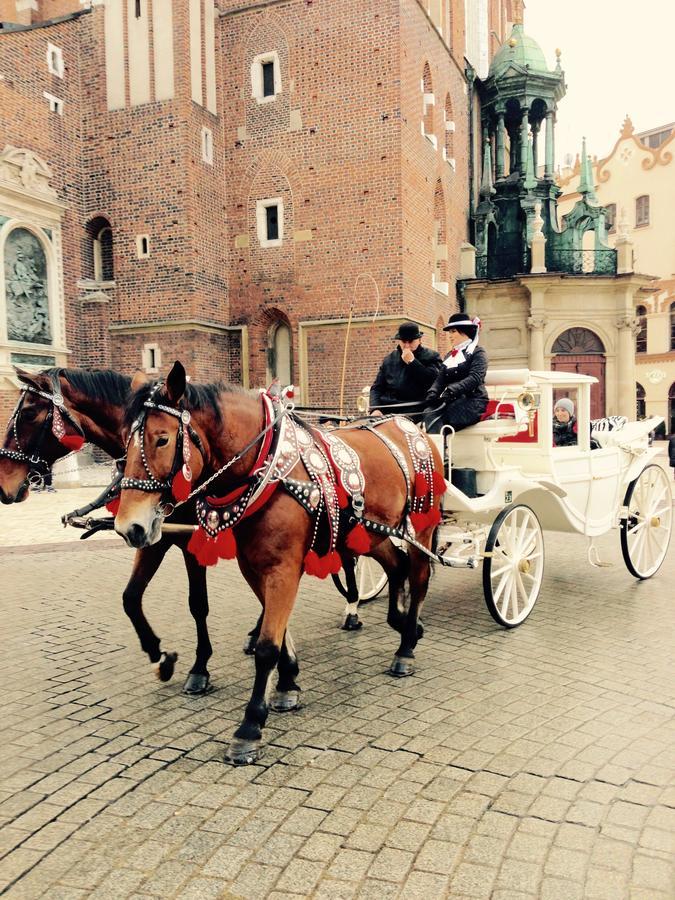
(55, 417)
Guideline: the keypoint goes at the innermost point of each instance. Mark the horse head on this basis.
(41, 430)
(165, 457)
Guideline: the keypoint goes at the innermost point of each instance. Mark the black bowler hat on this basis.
(461, 322)
(408, 331)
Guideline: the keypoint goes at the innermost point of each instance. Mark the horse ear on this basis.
(29, 378)
(175, 382)
(139, 379)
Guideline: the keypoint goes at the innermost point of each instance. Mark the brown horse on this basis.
(90, 406)
(227, 430)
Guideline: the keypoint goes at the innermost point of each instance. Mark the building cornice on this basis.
(164, 325)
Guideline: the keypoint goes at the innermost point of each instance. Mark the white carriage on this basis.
(506, 483)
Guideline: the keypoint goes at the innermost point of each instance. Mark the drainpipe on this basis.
(470, 78)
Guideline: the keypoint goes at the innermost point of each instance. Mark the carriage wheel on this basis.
(371, 579)
(513, 567)
(645, 533)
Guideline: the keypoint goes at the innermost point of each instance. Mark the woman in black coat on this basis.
(458, 396)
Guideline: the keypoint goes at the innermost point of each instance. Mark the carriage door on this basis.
(580, 350)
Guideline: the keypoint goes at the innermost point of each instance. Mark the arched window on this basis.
(640, 403)
(641, 337)
(98, 256)
(26, 288)
(280, 354)
(672, 326)
(642, 210)
(428, 103)
(449, 125)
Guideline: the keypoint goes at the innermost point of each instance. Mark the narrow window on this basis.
(137, 11)
(641, 337)
(672, 326)
(610, 217)
(55, 63)
(640, 401)
(207, 145)
(142, 246)
(642, 211)
(272, 220)
(268, 79)
(55, 105)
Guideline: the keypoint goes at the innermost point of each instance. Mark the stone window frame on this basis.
(280, 324)
(257, 76)
(261, 221)
(151, 353)
(55, 63)
(142, 246)
(55, 104)
(207, 145)
(55, 301)
(642, 210)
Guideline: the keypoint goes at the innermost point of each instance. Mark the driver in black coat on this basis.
(405, 375)
(458, 396)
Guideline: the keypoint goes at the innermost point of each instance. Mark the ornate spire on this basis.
(518, 12)
(586, 186)
(486, 186)
(530, 177)
(627, 127)
(558, 54)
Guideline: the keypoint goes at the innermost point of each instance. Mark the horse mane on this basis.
(198, 397)
(103, 385)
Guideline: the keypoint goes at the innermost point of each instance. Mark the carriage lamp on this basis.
(362, 401)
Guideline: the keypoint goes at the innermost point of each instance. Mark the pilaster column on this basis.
(536, 323)
(535, 145)
(550, 147)
(499, 155)
(523, 141)
(627, 326)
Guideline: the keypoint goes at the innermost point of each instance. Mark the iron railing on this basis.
(582, 262)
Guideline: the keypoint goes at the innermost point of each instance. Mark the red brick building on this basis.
(256, 187)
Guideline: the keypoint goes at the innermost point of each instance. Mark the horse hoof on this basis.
(249, 645)
(285, 701)
(197, 684)
(242, 752)
(352, 622)
(167, 663)
(401, 667)
(420, 631)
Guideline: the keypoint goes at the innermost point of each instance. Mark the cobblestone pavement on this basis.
(530, 763)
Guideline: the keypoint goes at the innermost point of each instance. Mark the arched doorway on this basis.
(581, 350)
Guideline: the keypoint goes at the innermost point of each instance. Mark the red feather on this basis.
(113, 505)
(358, 539)
(72, 441)
(421, 485)
(440, 487)
(180, 486)
(226, 544)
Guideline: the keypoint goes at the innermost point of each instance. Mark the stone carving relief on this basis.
(24, 169)
(26, 294)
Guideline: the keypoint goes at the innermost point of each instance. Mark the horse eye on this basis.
(162, 442)
(29, 413)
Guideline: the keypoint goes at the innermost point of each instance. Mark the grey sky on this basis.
(618, 58)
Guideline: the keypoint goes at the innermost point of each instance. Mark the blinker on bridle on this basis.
(55, 417)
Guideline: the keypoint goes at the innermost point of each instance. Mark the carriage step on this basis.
(459, 562)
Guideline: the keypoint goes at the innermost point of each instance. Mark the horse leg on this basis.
(198, 680)
(412, 631)
(146, 563)
(276, 590)
(252, 637)
(396, 564)
(352, 621)
(287, 695)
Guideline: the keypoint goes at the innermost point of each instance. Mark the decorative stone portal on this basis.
(26, 288)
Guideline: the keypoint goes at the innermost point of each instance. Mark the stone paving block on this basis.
(560, 889)
(350, 865)
(300, 877)
(118, 885)
(604, 884)
(653, 873)
(227, 862)
(203, 889)
(279, 849)
(331, 889)
(470, 880)
(255, 882)
(440, 857)
(304, 821)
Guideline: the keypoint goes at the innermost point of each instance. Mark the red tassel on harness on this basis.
(433, 516)
(226, 544)
(333, 562)
(73, 442)
(203, 548)
(312, 565)
(182, 484)
(440, 487)
(358, 539)
(419, 520)
(421, 485)
(341, 493)
(113, 505)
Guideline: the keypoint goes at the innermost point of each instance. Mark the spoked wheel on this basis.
(645, 533)
(371, 579)
(513, 567)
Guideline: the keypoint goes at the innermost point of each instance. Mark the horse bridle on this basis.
(151, 484)
(39, 466)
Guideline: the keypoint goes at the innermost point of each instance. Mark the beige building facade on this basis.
(635, 184)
